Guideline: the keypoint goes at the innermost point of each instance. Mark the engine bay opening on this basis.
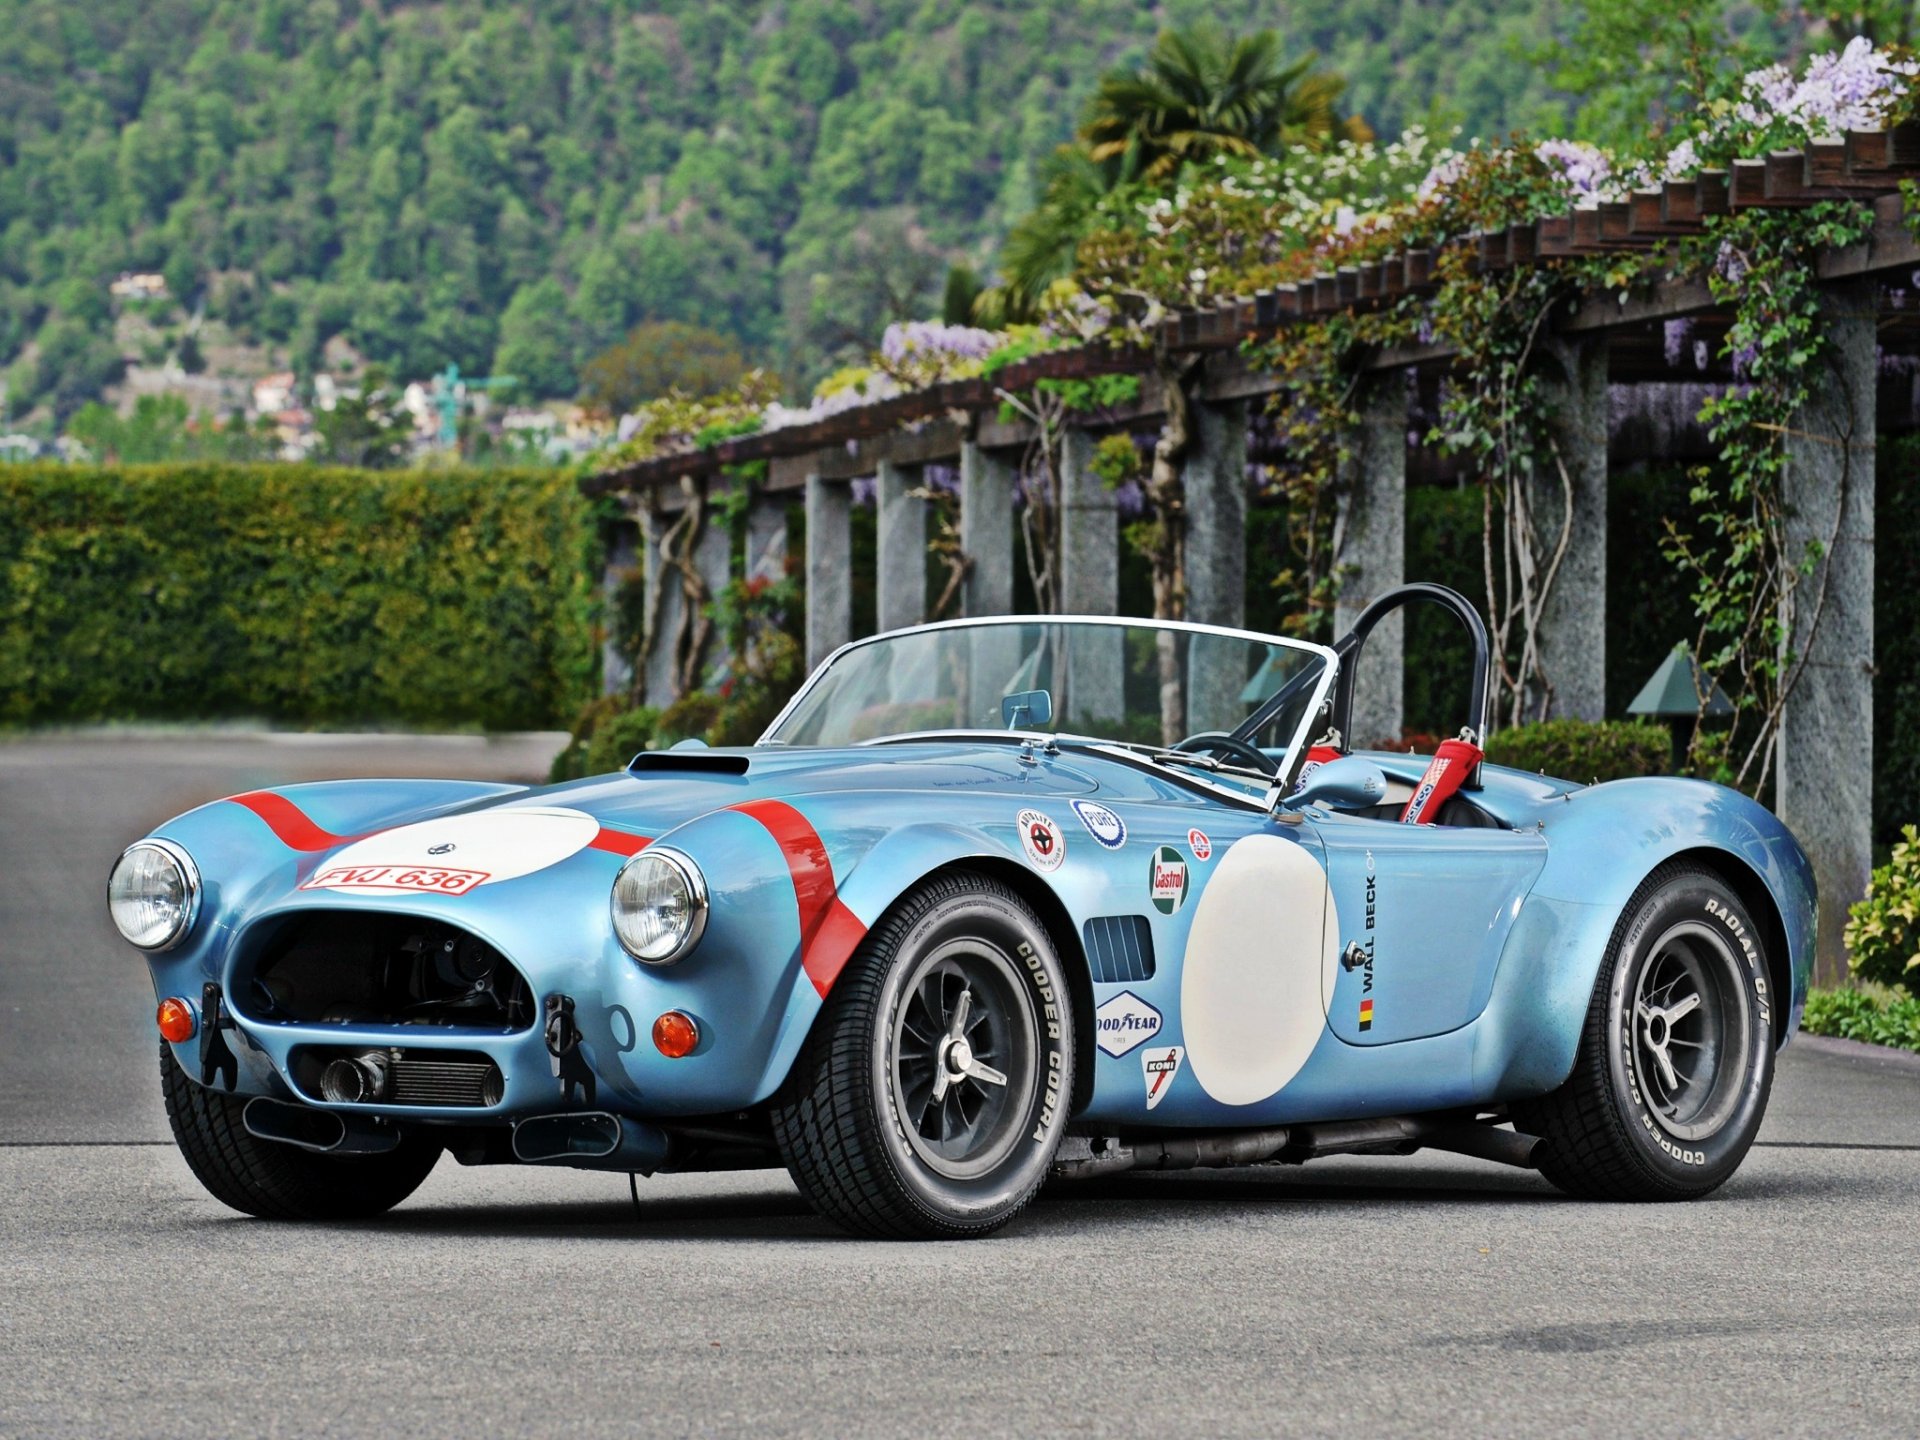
(350, 967)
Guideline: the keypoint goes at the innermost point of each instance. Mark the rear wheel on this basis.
(932, 1094)
(276, 1181)
(1676, 1060)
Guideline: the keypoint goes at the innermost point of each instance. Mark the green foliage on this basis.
(659, 358)
(298, 595)
(1861, 1015)
(366, 428)
(1742, 565)
(160, 428)
(1883, 929)
(1584, 750)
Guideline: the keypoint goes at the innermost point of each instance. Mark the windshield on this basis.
(1133, 681)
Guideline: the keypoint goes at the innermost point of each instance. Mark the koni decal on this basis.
(1159, 1066)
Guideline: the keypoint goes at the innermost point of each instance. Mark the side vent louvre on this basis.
(1119, 947)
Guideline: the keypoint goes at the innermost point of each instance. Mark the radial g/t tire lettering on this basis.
(1676, 1057)
(276, 1181)
(931, 1096)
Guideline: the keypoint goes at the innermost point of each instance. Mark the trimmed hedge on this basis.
(294, 594)
(1585, 750)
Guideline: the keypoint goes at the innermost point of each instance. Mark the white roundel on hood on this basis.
(454, 855)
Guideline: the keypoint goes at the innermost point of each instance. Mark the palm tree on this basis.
(1040, 247)
(1203, 95)
(1200, 96)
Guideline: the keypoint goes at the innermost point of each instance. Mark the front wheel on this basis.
(932, 1094)
(276, 1181)
(1676, 1060)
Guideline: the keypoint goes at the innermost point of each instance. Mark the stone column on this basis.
(1214, 478)
(1826, 733)
(829, 568)
(1573, 623)
(901, 547)
(713, 561)
(1370, 555)
(766, 556)
(1089, 585)
(622, 558)
(664, 605)
(986, 531)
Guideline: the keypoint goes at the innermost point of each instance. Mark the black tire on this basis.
(867, 1136)
(281, 1182)
(1676, 1058)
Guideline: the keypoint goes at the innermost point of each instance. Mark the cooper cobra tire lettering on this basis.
(860, 1121)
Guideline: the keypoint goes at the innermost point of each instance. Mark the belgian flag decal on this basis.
(1366, 1014)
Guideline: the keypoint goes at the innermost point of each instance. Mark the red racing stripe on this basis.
(289, 822)
(829, 931)
(293, 829)
(619, 842)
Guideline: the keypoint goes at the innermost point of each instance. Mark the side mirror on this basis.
(1027, 709)
(1352, 782)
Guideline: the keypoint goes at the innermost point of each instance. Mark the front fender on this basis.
(796, 889)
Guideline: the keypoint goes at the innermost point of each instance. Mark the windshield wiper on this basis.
(1166, 755)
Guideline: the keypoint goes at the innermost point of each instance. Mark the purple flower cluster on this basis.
(1587, 169)
(1853, 90)
(932, 340)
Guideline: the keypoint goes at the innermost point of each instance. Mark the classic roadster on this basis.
(992, 902)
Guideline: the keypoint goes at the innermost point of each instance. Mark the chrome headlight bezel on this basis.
(190, 883)
(682, 867)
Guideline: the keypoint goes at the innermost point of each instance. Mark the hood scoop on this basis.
(687, 762)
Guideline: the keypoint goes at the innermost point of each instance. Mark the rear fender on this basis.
(1602, 842)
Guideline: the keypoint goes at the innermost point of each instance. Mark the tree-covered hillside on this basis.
(511, 187)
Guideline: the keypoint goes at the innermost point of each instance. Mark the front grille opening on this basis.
(345, 967)
(353, 1074)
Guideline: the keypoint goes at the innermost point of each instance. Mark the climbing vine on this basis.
(1760, 596)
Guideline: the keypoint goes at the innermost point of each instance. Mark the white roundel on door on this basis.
(1259, 955)
(454, 855)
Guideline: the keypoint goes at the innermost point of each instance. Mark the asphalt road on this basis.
(1430, 1295)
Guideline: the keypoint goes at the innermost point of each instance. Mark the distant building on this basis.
(142, 286)
(274, 393)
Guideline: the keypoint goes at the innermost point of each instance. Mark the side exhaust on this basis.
(1082, 1158)
(321, 1131)
(591, 1140)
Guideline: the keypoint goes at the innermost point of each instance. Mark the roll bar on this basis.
(1348, 648)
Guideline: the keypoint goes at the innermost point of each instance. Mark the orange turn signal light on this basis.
(675, 1035)
(176, 1020)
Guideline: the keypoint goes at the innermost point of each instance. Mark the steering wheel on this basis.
(1219, 742)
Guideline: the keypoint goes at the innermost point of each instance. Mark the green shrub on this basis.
(1883, 929)
(1858, 1015)
(620, 739)
(295, 594)
(688, 718)
(1585, 750)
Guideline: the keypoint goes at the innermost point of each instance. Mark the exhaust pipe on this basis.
(321, 1131)
(591, 1140)
(1081, 1158)
(355, 1079)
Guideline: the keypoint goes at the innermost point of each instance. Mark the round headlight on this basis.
(659, 906)
(153, 894)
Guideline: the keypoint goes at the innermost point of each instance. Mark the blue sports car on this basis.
(991, 902)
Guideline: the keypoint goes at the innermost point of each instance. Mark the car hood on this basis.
(664, 789)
